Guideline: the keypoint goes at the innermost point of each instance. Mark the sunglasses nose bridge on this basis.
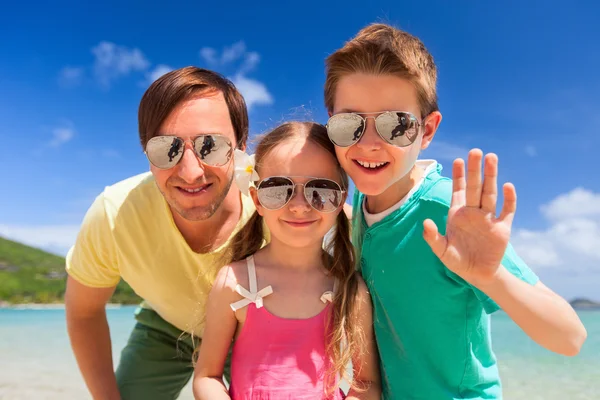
(370, 139)
(298, 200)
(190, 168)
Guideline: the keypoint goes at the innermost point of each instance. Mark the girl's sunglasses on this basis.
(398, 128)
(166, 151)
(324, 195)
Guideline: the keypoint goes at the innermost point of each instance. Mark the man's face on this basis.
(373, 164)
(195, 190)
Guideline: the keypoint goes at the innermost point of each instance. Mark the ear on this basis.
(347, 210)
(430, 126)
(257, 205)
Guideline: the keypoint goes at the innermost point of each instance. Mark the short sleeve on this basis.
(92, 259)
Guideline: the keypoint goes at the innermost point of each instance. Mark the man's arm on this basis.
(90, 337)
(542, 314)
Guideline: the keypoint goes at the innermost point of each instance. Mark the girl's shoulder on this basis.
(231, 275)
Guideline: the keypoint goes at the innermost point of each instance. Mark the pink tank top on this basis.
(278, 358)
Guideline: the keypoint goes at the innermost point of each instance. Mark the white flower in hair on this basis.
(244, 173)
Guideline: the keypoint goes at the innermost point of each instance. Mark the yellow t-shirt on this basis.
(129, 233)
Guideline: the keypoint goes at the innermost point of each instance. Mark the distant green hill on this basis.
(30, 275)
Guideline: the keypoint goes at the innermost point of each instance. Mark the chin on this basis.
(370, 188)
(193, 213)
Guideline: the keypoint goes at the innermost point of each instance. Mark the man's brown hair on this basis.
(171, 89)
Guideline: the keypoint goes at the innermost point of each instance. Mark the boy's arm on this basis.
(219, 331)
(366, 364)
(542, 314)
(474, 246)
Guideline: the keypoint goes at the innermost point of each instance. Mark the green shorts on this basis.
(156, 362)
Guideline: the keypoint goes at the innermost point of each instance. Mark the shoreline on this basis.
(52, 306)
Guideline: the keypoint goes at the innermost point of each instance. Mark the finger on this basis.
(458, 183)
(433, 238)
(474, 178)
(510, 203)
(489, 192)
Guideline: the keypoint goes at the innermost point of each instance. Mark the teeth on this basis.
(367, 164)
(192, 190)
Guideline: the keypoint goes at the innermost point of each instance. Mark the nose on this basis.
(190, 169)
(370, 139)
(298, 203)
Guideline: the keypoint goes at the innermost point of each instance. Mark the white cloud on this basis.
(113, 61)
(572, 240)
(62, 134)
(577, 203)
(53, 238)
(157, 72)
(70, 76)
(254, 91)
(531, 151)
(209, 55)
(440, 150)
(228, 55)
(233, 52)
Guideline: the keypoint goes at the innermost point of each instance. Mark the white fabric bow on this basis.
(256, 298)
(327, 297)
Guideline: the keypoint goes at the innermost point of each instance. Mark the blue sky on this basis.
(518, 80)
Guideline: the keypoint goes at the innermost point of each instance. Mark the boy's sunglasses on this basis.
(398, 128)
(322, 194)
(166, 151)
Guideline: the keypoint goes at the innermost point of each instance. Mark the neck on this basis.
(294, 258)
(207, 235)
(394, 193)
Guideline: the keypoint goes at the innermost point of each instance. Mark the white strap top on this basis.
(256, 296)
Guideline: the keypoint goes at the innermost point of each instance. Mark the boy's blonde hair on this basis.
(381, 49)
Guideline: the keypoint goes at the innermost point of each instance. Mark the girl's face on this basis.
(298, 224)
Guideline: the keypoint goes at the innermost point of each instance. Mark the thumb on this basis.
(433, 238)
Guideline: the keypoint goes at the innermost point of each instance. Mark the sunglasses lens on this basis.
(213, 150)
(345, 129)
(323, 195)
(397, 128)
(164, 151)
(274, 193)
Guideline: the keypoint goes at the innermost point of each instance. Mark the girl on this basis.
(297, 312)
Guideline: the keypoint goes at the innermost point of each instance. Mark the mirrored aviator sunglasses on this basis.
(398, 128)
(324, 195)
(166, 151)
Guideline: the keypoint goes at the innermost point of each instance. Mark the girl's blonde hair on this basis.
(344, 334)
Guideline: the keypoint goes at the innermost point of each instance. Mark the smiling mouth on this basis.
(299, 224)
(371, 166)
(194, 190)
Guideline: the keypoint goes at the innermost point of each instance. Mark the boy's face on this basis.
(374, 94)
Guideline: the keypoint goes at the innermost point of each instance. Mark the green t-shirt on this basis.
(432, 327)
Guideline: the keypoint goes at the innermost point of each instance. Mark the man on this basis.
(164, 233)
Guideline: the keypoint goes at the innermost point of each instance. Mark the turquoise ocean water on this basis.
(36, 360)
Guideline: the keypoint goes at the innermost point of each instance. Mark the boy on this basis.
(432, 294)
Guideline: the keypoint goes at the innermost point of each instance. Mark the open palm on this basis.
(476, 238)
